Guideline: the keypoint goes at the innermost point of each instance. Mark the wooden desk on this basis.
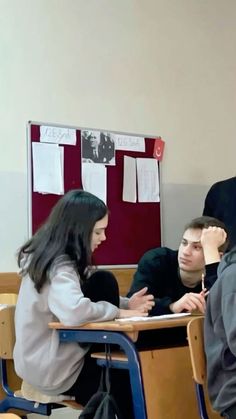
(129, 328)
(165, 374)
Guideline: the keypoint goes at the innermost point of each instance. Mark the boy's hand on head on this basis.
(213, 236)
(211, 239)
(141, 301)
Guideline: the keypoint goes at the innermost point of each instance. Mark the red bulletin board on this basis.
(133, 227)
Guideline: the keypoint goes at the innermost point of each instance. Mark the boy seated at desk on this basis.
(175, 277)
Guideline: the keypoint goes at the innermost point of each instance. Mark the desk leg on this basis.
(133, 364)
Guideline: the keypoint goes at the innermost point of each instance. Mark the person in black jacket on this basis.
(220, 202)
(90, 146)
(106, 148)
(175, 277)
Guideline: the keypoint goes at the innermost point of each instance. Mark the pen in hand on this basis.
(204, 291)
(203, 285)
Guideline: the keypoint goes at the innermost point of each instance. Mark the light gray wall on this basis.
(180, 203)
(161, 67)
(13, 216)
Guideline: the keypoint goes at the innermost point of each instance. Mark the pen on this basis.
(203, 285)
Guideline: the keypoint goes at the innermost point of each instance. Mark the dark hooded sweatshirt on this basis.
(220, 336)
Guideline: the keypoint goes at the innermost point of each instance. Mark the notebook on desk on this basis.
(152, 318)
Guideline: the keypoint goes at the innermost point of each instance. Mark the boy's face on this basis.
(190, 255)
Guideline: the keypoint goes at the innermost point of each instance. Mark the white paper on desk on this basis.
(94, 179)
(57, 135)
(48, 168)
(129, 143)
(129, 180)
(148, 180)
(152, 318)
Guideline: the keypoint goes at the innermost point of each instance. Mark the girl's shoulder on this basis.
(62, 263)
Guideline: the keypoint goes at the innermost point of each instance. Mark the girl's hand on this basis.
(131, 313)
(141, 301)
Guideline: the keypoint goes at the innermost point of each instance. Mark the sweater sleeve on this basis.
(150, 274)
(68, 304)
(124, 303)
(228, 315)
(227, 308)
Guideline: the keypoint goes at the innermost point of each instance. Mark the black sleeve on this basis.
(150, 274)
(209, 205)
(211, 274)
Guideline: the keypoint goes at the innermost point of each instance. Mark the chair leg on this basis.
(4, 405)
(11, 402)
(201, 401)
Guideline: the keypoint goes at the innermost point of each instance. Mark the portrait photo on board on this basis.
(97, 147)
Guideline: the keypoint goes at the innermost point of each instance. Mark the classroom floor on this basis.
(58, 414)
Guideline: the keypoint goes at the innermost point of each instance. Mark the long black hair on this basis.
(67, 231)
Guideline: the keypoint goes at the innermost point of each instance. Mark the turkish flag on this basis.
(158, 148)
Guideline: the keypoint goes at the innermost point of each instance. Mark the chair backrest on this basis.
(7, 298)
(196, 347)
(124, 278)
(7, 331)
(9, 282)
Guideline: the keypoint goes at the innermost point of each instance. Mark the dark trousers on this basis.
(102, 286)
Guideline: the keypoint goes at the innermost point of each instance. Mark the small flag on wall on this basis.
(158, 149)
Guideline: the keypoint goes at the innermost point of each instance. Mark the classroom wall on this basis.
(153, 67)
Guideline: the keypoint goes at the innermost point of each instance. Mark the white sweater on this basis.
(40, 358)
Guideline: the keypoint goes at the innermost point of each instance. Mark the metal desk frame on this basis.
(132, 364)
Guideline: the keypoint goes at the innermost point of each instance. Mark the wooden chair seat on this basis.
(27, 392)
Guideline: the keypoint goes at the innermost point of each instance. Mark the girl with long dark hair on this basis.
(59, 284)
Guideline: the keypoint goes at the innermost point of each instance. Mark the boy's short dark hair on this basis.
(204, 222)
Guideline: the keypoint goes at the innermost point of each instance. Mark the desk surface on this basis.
(127, 327)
